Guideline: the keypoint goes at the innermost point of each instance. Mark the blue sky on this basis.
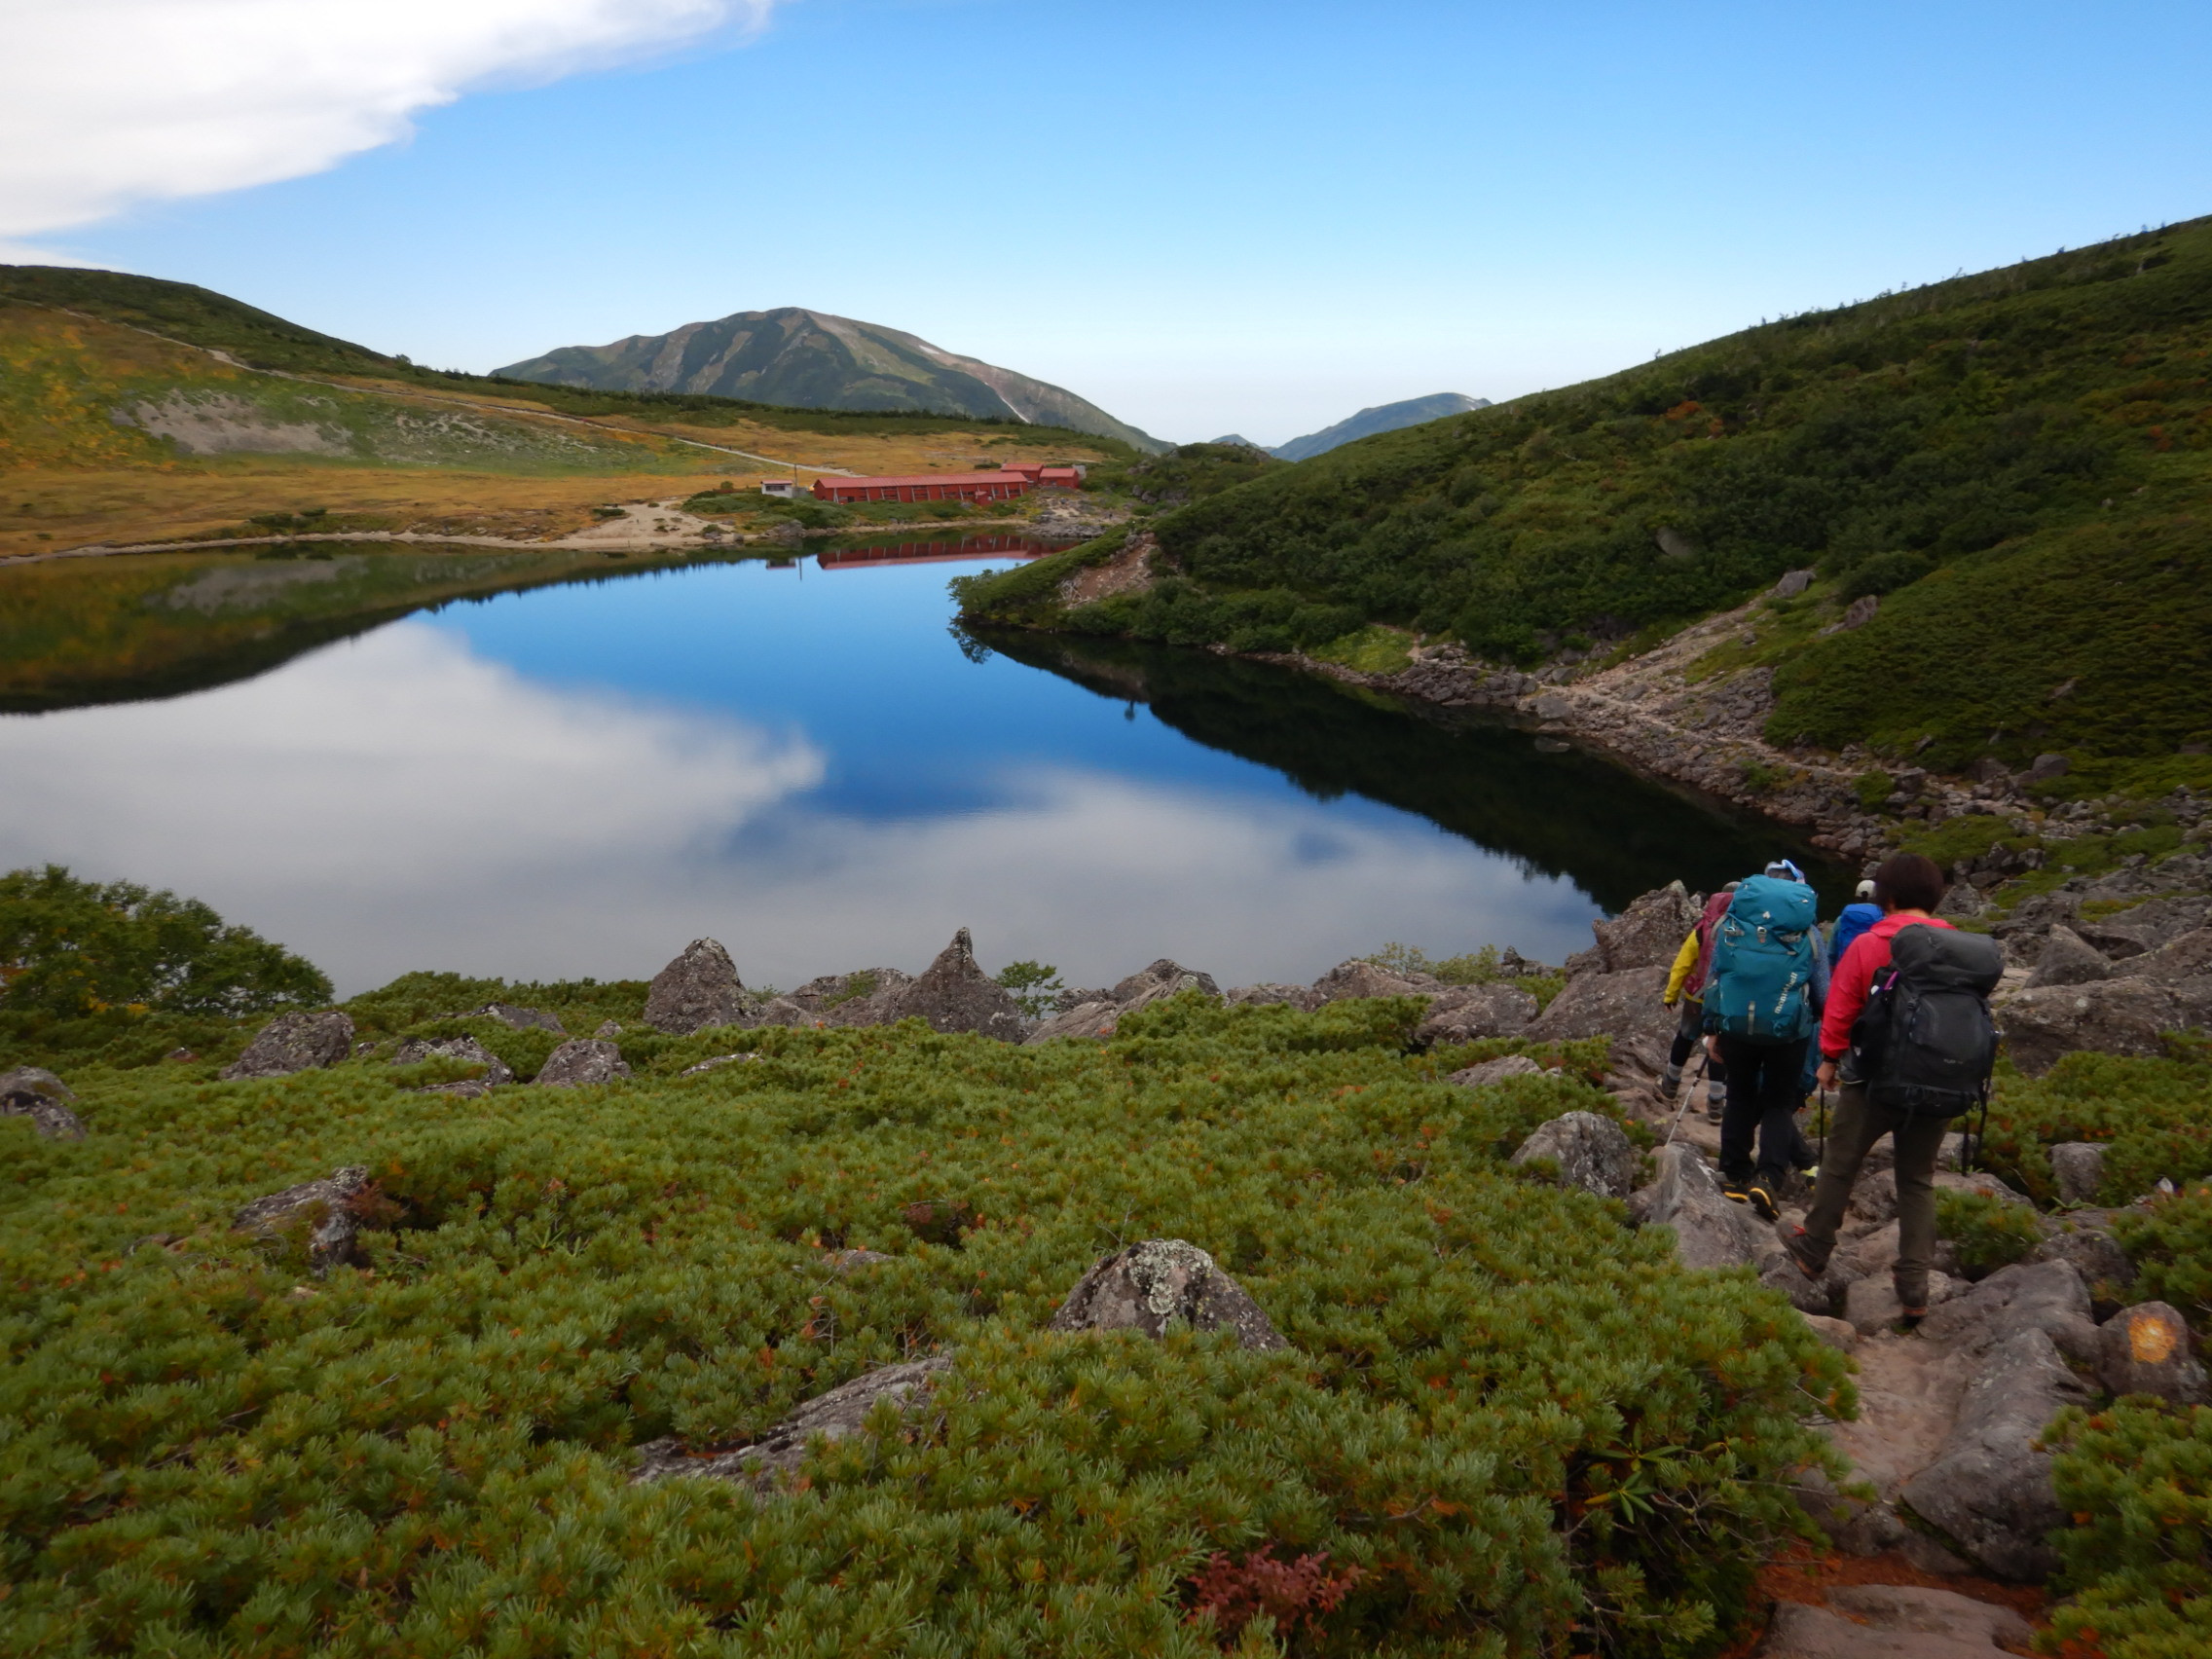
(1217, 216)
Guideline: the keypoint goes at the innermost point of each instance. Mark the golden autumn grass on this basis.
(71, 475)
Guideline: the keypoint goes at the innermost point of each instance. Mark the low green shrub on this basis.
(2153, 1117)
(1469, 968)
(2137, 1479)
(1509, 1423)
(1987, 1232)
(2170, 1244)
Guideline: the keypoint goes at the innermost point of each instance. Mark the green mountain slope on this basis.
(812, 360)
(2019, 463)
(1383, 417)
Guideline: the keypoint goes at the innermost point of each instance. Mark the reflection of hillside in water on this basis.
(1612, 832)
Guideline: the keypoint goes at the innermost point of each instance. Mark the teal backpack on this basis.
(1761, 984)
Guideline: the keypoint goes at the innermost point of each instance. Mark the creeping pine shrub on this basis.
(2137, 1479)
(1987, 1232)
(1509, 1423)
(1482, 967)
(2170, 1244)
(2152, 1115)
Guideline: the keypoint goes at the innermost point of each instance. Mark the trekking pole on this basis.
(1689, 1094)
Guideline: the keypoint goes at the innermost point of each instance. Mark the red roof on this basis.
(920, 478)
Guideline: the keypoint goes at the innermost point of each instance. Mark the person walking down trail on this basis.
(1685, 985)
(1857, 917)
(1907, 1031)
(1766, 980)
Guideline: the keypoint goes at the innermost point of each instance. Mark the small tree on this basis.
(1036, 987)
(71, 947)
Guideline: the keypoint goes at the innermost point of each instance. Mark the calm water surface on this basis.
(807, 764)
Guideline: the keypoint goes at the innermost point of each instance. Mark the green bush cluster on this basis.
(2170, 1244)
(1481, 966)
(1188, 472)
(2137, 1479)
(1521, 1422)
(84, 964)
(1178, 611)
(1987, 1232)
(2153, 1117)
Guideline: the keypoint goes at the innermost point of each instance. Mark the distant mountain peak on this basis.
(1383, 417)
(811, 359)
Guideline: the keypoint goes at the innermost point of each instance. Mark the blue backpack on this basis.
(1761, 984)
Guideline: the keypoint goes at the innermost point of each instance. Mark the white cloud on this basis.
(402, 801)
(105, 103)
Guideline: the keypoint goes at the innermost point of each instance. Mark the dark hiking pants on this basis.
(1857, 1124)
(1762, 1100)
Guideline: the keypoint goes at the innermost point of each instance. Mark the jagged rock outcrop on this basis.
(326, 1207)
(1648, 932)
(294, 1043)
(2146, 1350)
(1161, 1283)
(867, 996)
(699, 988)
(1625, 1006)
(1096, 1014)
(36, 1093)
(1094, 1018)
(465, 1049)
(1254, 996)
(844, 1410)
(1469, 1013)
(954, 994)
(1359, 978)
(581, 1062)
(1161, 980)
(1591, 1153)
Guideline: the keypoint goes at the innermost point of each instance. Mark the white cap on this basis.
(1864, 890)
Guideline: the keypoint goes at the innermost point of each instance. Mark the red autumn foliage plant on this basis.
(1289, 1592)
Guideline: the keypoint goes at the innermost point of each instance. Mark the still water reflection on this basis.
(806, 764)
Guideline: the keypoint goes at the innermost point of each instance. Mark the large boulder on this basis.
(1893, 1621)
(1162, 978)
(1360, 977)
(2113, 1016)
(1469, 1013)
(1093, 1019)
(1710, 1229)
(699, 988)
(467, 1050)
(2145, 1349)
(53, 1120)
(1990, 1491)
(1648, 932)
(581, 1062)
(954, 994)
(35, 1080)
(2077, 1170)
(2068, 959)
(295, 1042)
(1161, 1283)
(1624, 1006)
(2187, 957)
(1591, 1152)
(326, 1208)
(777, 1455)
(867, 996)
(2048, 1296)
(1483, 1073)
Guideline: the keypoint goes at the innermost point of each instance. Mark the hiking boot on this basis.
(1736, 1192)
(1671, 1081)
(1810, 1259)
(1715, 1108)
(1762, 1200)
(1911, 1317)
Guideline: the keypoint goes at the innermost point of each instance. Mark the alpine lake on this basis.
(549, 764)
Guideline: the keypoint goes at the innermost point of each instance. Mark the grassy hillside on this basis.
(202, 317)
(1514, 1423)
(2018, 464)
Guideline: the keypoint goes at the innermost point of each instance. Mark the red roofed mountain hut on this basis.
(925, 487)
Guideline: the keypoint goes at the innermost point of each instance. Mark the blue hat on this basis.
(1783, 869)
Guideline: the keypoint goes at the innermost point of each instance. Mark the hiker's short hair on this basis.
(1908, 881)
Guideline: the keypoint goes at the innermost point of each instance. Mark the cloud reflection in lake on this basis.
(817, 778)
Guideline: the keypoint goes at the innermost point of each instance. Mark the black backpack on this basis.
(1924, 1043)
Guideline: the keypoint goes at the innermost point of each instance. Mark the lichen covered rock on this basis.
(294, 1043)
(1161, 1283)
